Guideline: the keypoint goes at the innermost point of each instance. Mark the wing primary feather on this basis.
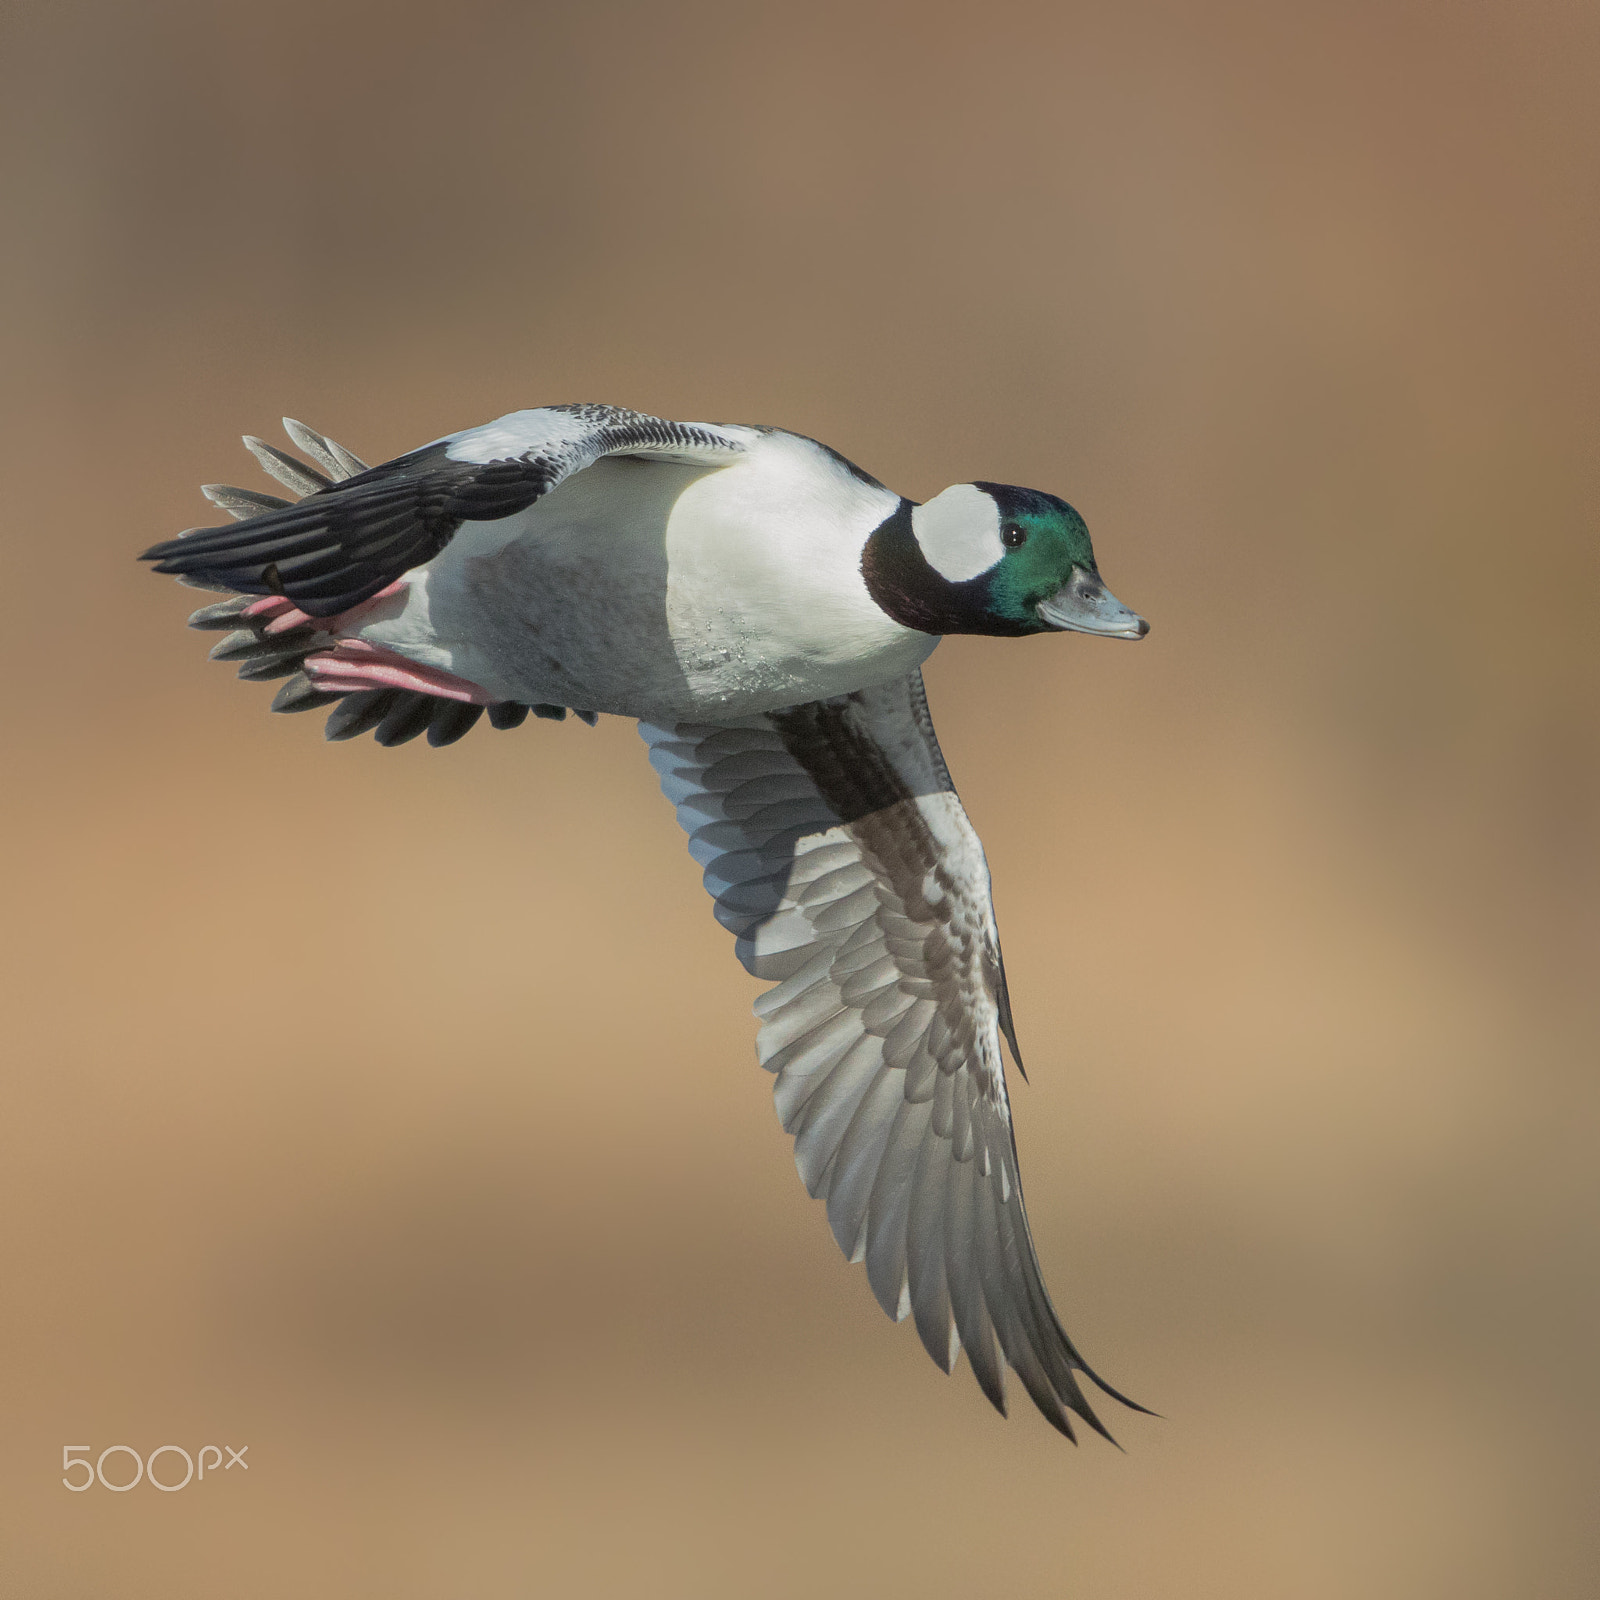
(333, 458)
(246, 545)
(1005, 1315)
(1046, 1341)
(290, 473)
(350, 464)
(966, 1291)
(930, 1295)
(311, 565)
(1053, 1334)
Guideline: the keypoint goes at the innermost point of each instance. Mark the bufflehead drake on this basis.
(763, 607)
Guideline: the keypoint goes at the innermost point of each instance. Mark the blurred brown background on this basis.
(394, 1113)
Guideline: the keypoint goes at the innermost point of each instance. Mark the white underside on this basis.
(664, 591)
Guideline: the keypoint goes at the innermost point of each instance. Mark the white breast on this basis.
(765, 597)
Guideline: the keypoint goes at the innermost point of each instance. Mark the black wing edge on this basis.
(347, 541)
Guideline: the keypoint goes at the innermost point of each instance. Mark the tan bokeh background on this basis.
(394, 1113)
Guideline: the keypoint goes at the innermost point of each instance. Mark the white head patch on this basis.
(959, 532)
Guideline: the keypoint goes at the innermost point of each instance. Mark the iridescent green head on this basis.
(993, 558)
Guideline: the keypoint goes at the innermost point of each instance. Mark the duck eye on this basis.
(1012, 538)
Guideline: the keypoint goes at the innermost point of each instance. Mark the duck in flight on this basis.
(763, 608)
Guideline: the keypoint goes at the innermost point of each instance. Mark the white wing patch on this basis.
(841, 859)
(959, 531)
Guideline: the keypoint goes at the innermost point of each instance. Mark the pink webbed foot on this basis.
(279, 614)
(353, 665)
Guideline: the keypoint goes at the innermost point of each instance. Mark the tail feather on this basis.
(392, 716)
(301, 694)
(451, 719)
(360, 712)
(244, 644)
(224, 614)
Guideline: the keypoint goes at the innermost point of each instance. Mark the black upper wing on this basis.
(346, 541)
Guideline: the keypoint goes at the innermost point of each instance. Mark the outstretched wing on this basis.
(840, 857)
(346, 541)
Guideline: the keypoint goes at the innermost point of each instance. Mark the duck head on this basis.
(992, 558)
